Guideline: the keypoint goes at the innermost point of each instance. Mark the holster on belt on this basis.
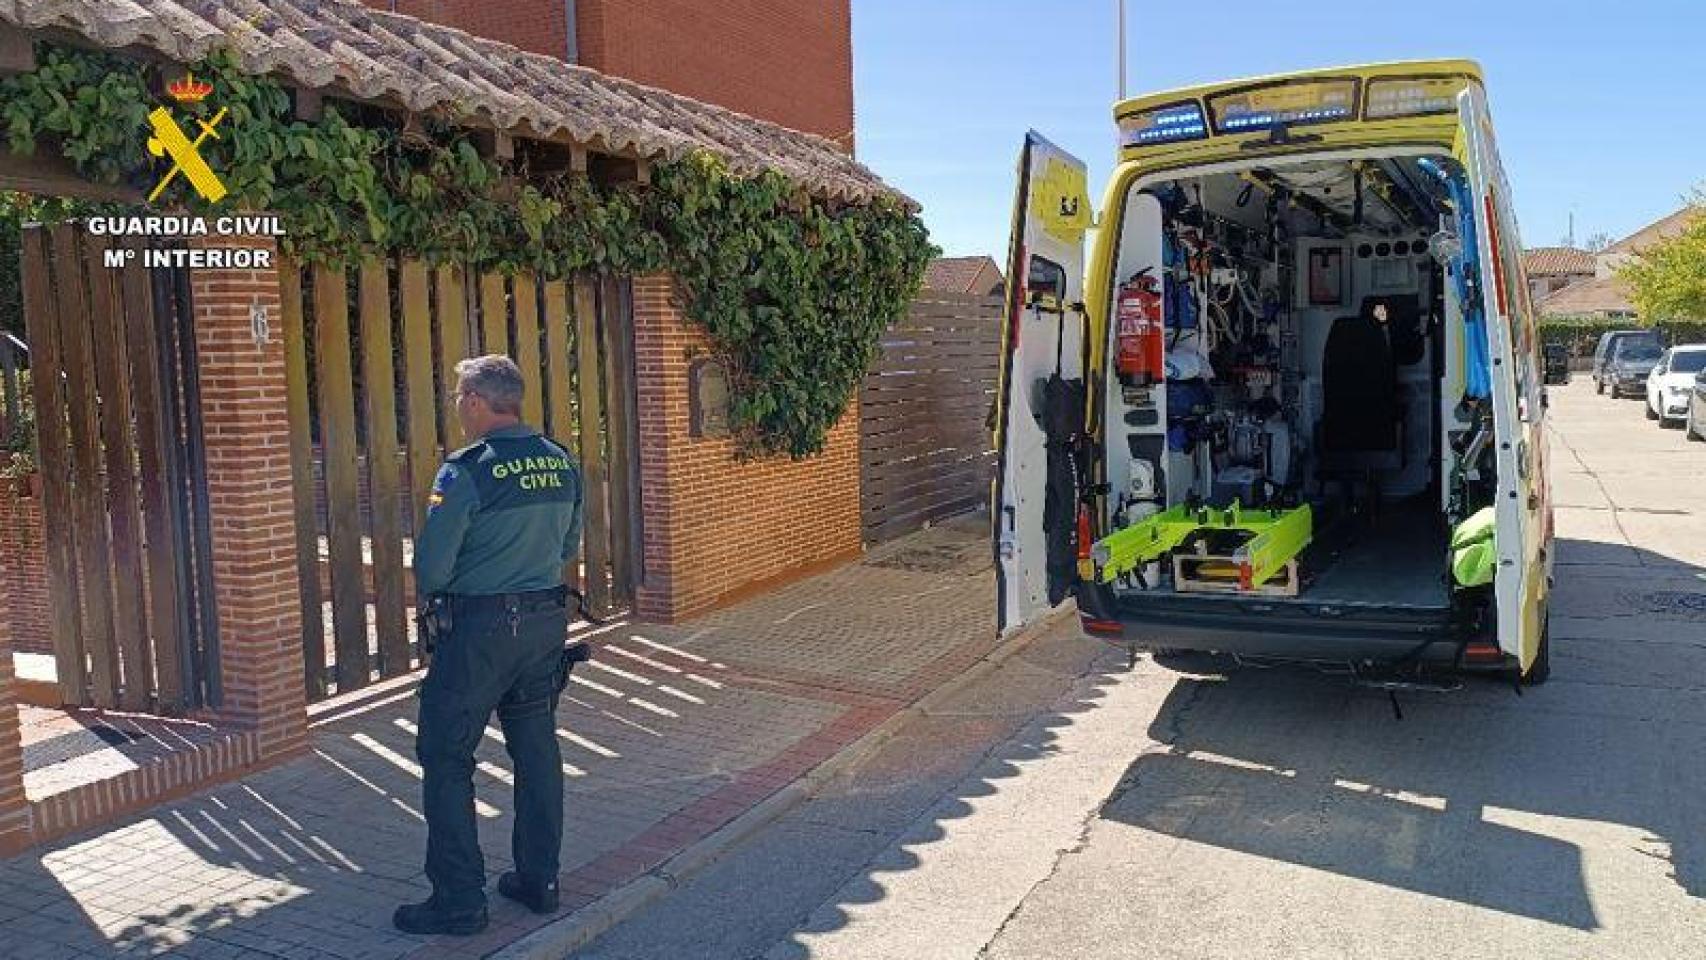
(432, 619)
(577, 652)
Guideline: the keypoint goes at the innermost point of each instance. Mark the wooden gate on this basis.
(371, 357)
(130, 582)
(924, 436)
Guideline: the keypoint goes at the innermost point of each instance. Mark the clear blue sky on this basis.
(1598, 106)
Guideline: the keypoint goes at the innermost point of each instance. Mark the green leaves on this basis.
(1668, 280)
(792, 292)
(89, 105)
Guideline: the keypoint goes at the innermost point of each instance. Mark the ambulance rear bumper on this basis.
(1274, 629)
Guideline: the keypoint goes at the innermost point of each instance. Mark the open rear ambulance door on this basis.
(1043, 337)
(1520, 583)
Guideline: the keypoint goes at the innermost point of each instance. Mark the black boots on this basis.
(428, 918)
(538, 897)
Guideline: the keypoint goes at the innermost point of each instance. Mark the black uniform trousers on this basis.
(491, 660)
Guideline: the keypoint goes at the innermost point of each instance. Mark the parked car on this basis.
(1631, 363)
(1606, 351)
(1557, 358)
(1695, 423)
(1672, 381)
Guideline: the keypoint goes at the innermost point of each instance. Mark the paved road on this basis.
(1067, 806)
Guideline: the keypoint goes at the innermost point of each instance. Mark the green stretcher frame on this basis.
(1280, 535)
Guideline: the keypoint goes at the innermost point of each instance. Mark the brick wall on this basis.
(185, 770)
(247, 429)
(15, 829)
(787, 61)
(716, 528)
(23, 556)
(536, 25)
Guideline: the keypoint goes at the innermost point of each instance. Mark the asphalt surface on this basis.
(1070, 805)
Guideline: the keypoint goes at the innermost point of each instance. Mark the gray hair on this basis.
(495, 378)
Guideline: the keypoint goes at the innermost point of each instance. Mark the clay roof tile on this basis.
(343, 46)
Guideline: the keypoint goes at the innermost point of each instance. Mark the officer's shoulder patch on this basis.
(446, 478)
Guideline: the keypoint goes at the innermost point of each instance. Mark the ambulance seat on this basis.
(1359, 437)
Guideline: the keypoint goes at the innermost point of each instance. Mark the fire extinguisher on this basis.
(1137, 312)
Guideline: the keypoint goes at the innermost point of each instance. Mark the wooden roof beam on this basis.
(43, 176)
(492, 143)
(308, 105)
(617, 169)
(17, 51)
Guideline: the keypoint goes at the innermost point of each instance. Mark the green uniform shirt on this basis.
(504, 516)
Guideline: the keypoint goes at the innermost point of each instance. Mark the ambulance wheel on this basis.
(1599, 386)
(1650, 414)
(1541, 670)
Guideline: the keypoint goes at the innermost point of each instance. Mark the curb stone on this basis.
(556, 940)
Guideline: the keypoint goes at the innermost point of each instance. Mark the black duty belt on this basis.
(525, 601)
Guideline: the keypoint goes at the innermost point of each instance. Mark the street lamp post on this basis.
(1119, 44)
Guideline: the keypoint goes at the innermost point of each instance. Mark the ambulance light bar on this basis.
(1412, 96)
(1284, 102)
(1169, 124)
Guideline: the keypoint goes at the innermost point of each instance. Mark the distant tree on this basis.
(1597, 242)
(1668, 280)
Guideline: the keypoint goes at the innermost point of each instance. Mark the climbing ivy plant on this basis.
(792, 291)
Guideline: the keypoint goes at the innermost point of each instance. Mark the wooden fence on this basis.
(113, 360)
(382, 382)
(924, 439)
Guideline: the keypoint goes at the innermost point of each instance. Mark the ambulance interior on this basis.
(1311, 354)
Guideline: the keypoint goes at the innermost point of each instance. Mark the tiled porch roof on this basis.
(346, 48)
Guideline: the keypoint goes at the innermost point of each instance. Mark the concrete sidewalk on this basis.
(670, 734)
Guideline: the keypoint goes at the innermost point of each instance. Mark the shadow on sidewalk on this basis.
(308, 859)
(1291, 766)
(825, 858)
(670, 733)
(1611, 739)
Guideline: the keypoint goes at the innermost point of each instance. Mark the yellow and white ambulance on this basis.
(1281, 396)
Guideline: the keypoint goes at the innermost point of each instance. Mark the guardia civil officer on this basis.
(503, 518)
